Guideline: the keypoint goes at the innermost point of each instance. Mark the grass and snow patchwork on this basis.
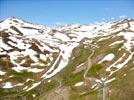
(37, 52)
(129, 37)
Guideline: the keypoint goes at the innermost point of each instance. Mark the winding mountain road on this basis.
(89, 65)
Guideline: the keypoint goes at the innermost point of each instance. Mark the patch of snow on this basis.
(34, 58)
(47, 55)
(11, 76)
(49, 81)
(117, 42)
(34, 95)
(86, 28)
(119, 66)
(29, 80)
(27, 31)
(103, 78)
(13, 56)
(31, 53)
(25, 87)
(120, 59)
(132, 26)
(108, 57)
(2, 72)
(18, 68)
(52, 68)
(61, 36)
(80, 65)
(19, 84)
(8, 85)
(94, 86)
(11, 43)
(44, 46)
(103, 38)
(66, 51)
(33, 86)
(5, 24)
(119, 49)
(98, 81)
(79, 84)
(3, 53)
(29, 69)
(43, 57)
(108, 81)
(19, 43)
(51, 58)
(129, 36)
(3, 45)
(23, 61)
(35, 70)
(124, 74)
(42, 64)
(38, 64)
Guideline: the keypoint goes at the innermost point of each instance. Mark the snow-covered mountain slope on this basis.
(30, 54)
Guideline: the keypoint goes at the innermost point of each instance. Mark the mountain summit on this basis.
(73, 62)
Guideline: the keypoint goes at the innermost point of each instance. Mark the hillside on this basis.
(71, 62)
